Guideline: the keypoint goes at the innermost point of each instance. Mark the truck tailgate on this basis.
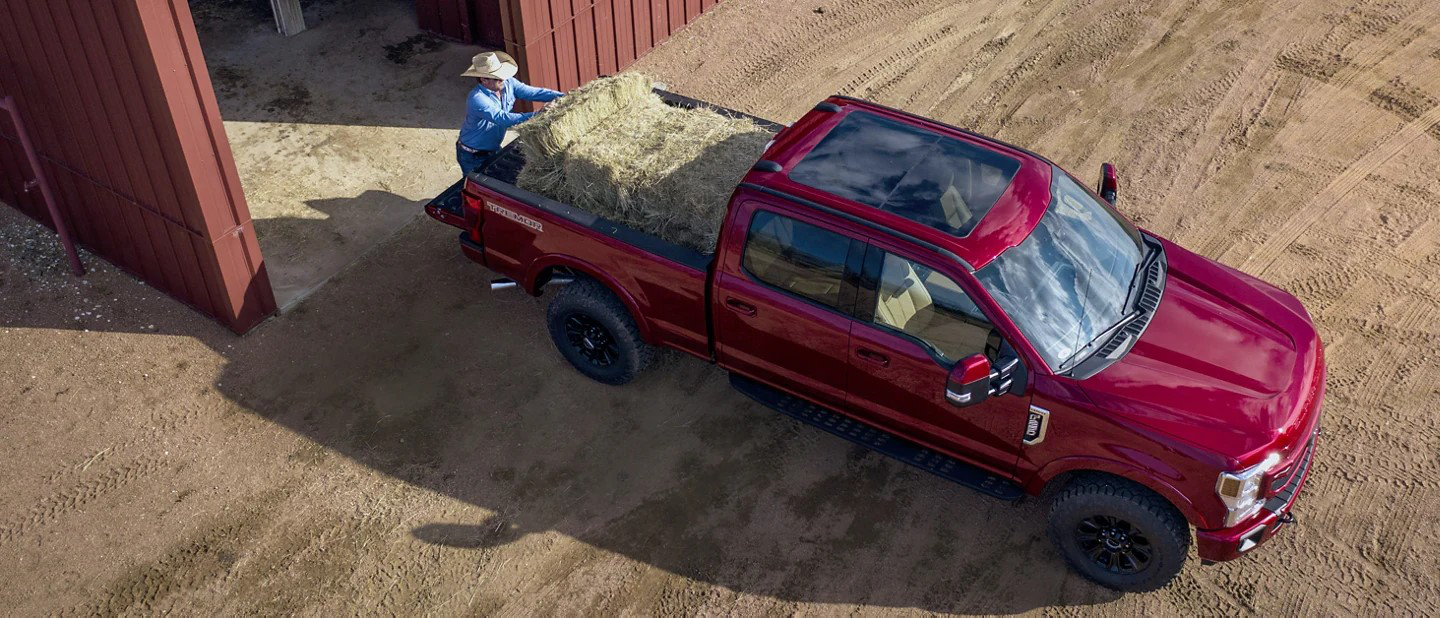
(663, 284)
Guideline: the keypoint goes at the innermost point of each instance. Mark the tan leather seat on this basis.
(957, 212)
(902, 301)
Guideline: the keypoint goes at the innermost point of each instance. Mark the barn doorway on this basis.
(340, 133)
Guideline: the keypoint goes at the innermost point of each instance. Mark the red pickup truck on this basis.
(963, 305)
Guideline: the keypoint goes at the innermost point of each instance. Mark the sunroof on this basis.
(939, 181)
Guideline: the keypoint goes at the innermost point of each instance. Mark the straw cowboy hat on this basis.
(494, 65)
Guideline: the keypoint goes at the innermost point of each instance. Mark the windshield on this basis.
(1068, 282)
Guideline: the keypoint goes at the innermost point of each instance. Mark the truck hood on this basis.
(1224, 363)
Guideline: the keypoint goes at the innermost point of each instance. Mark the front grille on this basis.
(1282, 477)
(1290, 482)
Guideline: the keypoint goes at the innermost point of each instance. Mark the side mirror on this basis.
(1109, 183)
(969, 381)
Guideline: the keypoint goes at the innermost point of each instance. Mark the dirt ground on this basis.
(340, 133)
(405, 441)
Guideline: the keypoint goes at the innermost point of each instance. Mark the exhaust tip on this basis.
(503, 284)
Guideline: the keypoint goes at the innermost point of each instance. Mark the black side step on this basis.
(943, 466)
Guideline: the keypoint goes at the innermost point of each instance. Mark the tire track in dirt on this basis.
(906, 90)
(1404, 100)
(796, 48)
(76, 497)
(919, 33)
(885, 74)
(161, 424)
(1381, 36)
(91, 478)
(965, 75)
(1205, 96)
(207, 556)
(1264, 256)
(1252, 113)
(1020, 38)
(1381, 30)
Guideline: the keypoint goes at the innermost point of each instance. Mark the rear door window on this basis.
(798, 258)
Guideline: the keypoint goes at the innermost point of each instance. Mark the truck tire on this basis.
(1119, 534)
(593, 330)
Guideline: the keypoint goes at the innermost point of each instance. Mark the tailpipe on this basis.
(506, 283)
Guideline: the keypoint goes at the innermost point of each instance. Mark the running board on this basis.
(884, 442)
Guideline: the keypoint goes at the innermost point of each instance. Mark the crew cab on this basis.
(963, 305)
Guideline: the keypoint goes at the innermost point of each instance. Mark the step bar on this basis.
(881, 441)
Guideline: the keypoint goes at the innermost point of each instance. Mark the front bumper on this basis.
(1231, 543)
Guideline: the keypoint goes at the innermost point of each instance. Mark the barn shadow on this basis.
(408, 364)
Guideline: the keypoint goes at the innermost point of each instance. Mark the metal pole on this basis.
(61, 226)
(289, 18)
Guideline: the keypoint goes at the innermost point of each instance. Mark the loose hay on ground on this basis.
(615, 149)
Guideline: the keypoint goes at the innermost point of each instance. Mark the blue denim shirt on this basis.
(487, 114)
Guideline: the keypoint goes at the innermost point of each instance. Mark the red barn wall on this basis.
(467, 21)
(563, 43)
(120, 108)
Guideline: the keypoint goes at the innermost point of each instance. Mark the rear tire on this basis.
(1119, 534)
(592, 329)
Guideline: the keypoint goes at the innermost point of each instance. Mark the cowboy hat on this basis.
(494, 65)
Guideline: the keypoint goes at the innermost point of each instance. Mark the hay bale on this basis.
(615, 149)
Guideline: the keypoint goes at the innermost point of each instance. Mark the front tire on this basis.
(1119, 534)
(592, 329)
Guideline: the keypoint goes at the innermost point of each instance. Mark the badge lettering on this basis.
(515, 216)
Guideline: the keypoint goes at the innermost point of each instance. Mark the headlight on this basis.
(1240, 491)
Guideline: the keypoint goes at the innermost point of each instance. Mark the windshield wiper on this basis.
(1138, 279)
(1132, 305)
(1083, 354)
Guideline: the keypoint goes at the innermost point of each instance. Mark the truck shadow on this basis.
(412, 367)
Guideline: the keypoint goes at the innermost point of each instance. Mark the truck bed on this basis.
(505, 166)
(525, 234)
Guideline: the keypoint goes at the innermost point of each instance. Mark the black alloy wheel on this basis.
(1114, 544)
(593, 330)
(1118, 533)
(590, 340)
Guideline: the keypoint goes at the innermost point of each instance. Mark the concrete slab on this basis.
(340, 133)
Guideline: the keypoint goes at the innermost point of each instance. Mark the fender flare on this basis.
(1055, 469)
(542, 263)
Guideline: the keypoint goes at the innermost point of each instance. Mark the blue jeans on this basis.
(470, 162)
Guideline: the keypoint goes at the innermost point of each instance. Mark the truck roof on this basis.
(966, 194)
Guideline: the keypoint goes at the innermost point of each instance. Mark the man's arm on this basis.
(526, 92)
(489, 109)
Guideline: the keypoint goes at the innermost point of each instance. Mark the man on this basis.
(487, 111)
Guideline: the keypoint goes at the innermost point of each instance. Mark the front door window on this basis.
(931, 308)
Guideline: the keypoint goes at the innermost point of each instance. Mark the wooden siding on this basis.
(564, 43)
(467, 21)
(123, 116)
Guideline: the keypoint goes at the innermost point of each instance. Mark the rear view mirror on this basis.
(1109, 183)
(969, 381)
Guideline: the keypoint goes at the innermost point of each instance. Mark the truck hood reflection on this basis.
(1222, 371)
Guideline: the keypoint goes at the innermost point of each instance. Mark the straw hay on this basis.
(615, 149)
